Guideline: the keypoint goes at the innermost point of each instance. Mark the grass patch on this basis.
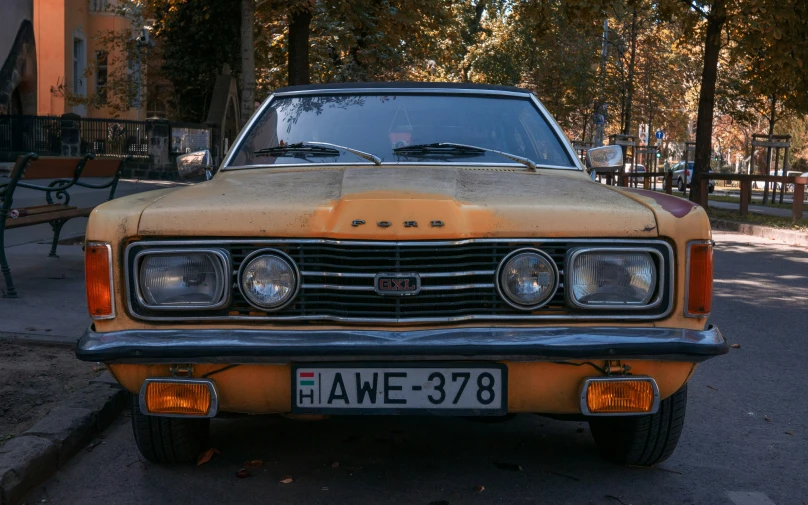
(784, 223)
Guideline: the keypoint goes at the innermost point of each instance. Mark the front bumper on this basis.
(516, 344)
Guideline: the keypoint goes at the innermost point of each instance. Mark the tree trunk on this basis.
(474, 27)
(631, 64)
(247, 60)
(704, 122)
(299, 24)
(772, 120)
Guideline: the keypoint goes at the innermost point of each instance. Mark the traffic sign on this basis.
(659, 134)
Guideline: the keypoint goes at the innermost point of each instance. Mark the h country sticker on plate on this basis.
(457, 388)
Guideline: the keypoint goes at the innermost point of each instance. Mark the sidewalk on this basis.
(51, 306)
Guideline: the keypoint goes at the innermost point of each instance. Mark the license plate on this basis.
(467, 389)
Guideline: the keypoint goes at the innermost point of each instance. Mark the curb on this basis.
(790, 237)
(30, 458)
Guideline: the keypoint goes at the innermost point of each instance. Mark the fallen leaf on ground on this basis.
(479, 489)
(712, 387)
(242, 473)
(790, 433)
(735, 346)
(205, 456)
(255, 463)
(767, 419)
(513, 467)
(335, 464)
(286, 479)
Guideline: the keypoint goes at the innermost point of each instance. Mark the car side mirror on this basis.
(604, 159)
(196, 166)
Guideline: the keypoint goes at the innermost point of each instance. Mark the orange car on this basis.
(402, 249)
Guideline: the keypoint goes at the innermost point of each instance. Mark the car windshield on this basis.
(381, 125)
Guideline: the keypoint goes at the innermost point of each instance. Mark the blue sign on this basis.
(659, 134)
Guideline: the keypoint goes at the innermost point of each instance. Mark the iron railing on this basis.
(56, 136)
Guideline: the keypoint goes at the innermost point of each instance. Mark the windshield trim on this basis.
(351, 164)
(554, 126)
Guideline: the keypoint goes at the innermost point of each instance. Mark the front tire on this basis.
(642, 440)
(168, 439)
(681, 185)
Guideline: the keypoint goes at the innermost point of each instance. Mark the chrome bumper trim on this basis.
(281, 346)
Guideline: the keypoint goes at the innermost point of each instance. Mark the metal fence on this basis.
(49, 135)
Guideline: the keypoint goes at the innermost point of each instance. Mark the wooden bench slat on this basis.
(103, 167)
(44, 209)
(46, 217)
(57, 167)
(50, 167)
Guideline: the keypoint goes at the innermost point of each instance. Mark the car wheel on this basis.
(642, 440)
(168, 439)
(681, 185)
(710, 189)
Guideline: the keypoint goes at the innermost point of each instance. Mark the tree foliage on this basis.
(657, 68)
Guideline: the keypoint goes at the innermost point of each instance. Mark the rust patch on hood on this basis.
(679, 207)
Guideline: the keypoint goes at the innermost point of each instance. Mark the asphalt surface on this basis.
(754, 209)
(745, 440)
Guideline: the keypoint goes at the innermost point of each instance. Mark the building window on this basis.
(99, 5)
(79, 63)
(101, 62)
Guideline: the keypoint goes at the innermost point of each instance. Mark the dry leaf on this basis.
(286, 479)
(253, 463)
(735, 346)
(712, 387)
(335, 464)
(479, 489)
(242, 473)
(767, 419)
(205, 456)
(789, 433)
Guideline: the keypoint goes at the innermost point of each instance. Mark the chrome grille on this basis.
(457, 280)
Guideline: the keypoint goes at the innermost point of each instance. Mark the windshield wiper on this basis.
(317, 149)
(449, 148)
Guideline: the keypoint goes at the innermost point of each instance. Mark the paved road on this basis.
(754, 209)
(745, 441)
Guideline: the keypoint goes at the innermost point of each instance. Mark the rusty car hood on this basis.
(438, 202)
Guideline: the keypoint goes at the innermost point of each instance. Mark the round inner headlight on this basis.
(527, 279)
(268, 279)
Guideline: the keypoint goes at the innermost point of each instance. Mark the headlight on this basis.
(186, 279)
(268, 279)
(612, 279)
(527, 279)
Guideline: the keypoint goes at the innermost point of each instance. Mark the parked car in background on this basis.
(402, 249)
(682, 176)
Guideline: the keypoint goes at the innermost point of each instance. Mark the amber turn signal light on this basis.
(619, 395)
(699, 279)
(98, 278)
(178, 397)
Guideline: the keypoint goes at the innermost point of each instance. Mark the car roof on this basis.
(381, 86)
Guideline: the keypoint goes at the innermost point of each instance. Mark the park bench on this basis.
(65, 173)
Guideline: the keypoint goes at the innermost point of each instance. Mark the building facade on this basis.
(74, 65)
(18, 58)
